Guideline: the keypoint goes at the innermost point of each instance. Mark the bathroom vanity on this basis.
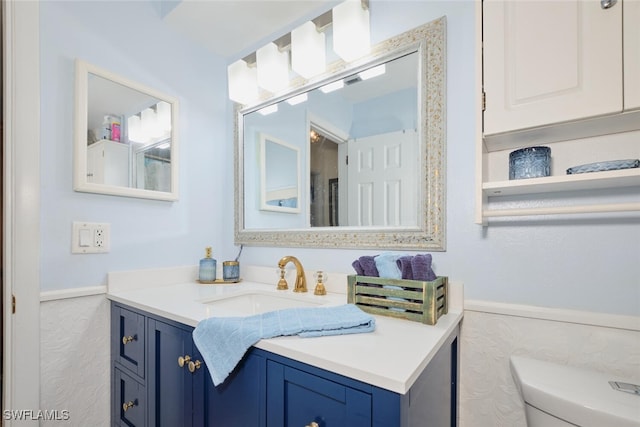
(403, 374)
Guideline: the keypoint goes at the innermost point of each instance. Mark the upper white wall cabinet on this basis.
(549, 62)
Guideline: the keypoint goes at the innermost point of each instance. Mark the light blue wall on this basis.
(585, 263)
(129, 39)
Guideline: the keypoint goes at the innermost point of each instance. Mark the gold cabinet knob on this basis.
(313, 424)
(128, 405)
(127, 339)
(193, 366)
(183, 359)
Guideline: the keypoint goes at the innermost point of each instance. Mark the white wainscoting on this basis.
(492, 332)
(75, 358)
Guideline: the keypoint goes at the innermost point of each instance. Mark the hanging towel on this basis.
(421, 267)
(368, 265)
(387, 266)
(358, 268)
(222, 341)
(404, 264)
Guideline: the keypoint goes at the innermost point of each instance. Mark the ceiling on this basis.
(233, 28)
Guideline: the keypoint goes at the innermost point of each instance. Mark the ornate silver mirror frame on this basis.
(429, 41)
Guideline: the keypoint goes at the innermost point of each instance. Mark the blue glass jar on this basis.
(208, 265)
(231, 271)
(530, 162)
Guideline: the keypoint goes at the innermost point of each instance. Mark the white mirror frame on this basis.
(80, 182)
(263, 176)
(429, 41)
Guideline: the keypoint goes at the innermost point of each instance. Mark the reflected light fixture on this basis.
(134, 129)
(373, 72)
(268, 109)
(243, 82)
(147, 124)
(298, 99)
(308, 56)
(351, 39)
(273, 68)
(163, 112)
(338, 84)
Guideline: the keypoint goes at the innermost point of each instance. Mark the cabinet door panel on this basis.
(170, 386)
(239, 400)
(631, 54)
(296, 398)
(128, 326)
(130, 400)
(547, 62)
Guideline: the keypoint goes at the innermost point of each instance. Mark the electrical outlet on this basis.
(90, 237)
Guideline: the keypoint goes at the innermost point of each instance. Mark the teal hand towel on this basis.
(223, 341)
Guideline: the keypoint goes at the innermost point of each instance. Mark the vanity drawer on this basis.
(127, 332)
(130, 400)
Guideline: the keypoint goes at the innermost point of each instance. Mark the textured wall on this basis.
(488, 395)
(75, 360)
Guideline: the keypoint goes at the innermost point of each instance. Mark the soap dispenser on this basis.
(207, 267)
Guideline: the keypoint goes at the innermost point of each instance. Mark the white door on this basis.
(382, 180)
(550, 61)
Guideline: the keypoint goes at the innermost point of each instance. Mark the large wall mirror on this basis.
(372, 145)
(125, 137)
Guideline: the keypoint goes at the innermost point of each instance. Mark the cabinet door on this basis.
(631, 54)
(296, 398)
(550, 61)
(127, 335)
(171, 387)
(239, 400)
(130, 399)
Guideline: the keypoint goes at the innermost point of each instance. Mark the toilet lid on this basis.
(576, 395)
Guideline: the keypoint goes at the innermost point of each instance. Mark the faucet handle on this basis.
(282, 283)
(320, 276)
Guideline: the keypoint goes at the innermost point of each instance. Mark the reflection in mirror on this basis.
(371, 140)
(280, 175)
(125, 142)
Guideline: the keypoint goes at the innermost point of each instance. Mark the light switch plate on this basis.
(90, 237)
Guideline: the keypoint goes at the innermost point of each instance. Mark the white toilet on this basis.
(564, 396)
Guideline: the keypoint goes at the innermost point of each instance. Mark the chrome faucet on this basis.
(301, 281)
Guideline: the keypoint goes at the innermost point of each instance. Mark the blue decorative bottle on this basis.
(207, 267)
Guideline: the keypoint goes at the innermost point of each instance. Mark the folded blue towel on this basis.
(404, 264)
(222, 341)
(368, 265)
(387, 266)
(421, 267)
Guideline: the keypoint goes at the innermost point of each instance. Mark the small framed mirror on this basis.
(125, 137)
(279, 175)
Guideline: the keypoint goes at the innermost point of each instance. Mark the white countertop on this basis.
(391, 357)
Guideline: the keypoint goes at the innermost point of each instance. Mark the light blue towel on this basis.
(387, 265)
(222, 341)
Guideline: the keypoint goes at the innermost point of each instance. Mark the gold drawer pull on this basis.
(313, 424)
(129, 338)
(128, 405)
(183, 359)
(193, 366)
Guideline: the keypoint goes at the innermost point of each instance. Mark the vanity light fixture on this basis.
(243, 82)
(268, 110)
(273, 68)
(308, 56)
(351, 29)
(298, 99)
(163, 116)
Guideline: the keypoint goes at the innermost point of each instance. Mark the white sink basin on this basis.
(256, 302)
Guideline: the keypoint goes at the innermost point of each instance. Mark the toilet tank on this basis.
(578, 396)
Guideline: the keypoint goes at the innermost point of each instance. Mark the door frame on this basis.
(21, 211)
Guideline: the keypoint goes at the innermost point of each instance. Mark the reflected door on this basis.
(382, 189)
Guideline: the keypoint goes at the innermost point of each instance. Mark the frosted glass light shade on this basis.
(163, 110)
(243, 82)
(273, 68)
(148, 124)
(134, 129)
(308, 56)
(351, 38)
